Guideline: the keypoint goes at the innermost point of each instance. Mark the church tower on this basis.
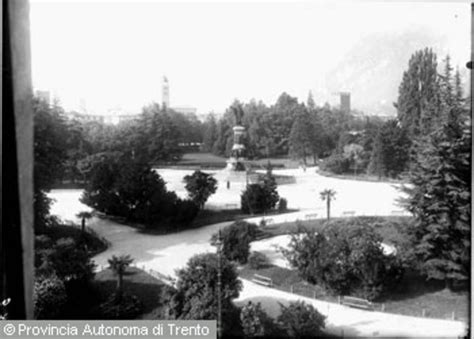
(165, 95)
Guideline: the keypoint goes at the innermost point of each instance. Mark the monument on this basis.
(237, 160)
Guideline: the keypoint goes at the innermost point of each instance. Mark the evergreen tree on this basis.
(390, 152)
(440, 198)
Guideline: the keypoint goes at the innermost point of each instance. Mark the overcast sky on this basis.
(115, 53)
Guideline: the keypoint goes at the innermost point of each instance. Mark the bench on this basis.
(397, 212)
(261, 280)
(311, 216)
(230, 206)
(268, 221)
(357, 302)
(348, 213)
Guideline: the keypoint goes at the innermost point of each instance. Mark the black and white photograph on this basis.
(277, 169)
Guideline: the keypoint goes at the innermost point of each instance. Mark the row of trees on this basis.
(286, 128)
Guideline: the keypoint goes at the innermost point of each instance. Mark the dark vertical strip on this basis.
(12, 253)
(17, 163)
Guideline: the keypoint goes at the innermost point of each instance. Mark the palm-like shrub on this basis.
(119, 265)
(328, 195)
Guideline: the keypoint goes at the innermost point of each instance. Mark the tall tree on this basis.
(196, 290)
(210, 133)
(301, 137)
(418, 103)
(310, 102)
(50, 155)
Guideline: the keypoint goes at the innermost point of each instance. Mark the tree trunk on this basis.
(328, 207)
(119, 287)
(83, 225)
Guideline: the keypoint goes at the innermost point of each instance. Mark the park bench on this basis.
(311, 216)
(357, 302)
(396, 212)
(348, 213)
(261, 280)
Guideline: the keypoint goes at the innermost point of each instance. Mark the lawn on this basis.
(414, 296)
(209, 160)
(206, 160)
(95, 244)
(149, 290)
(391, 229)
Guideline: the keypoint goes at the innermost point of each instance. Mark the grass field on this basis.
(208, 160)
(391, 229)
(149, 290)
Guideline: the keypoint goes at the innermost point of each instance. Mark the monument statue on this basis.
(238, 113)
(237, 157)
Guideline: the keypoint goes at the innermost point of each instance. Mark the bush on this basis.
(135, 192)
(66, 260)
(301, 320)
(49, 297)
(236, 240)
(346, 258)
(282, 205)
(337, 164)
(256, 322)
(125, 307)
(258, 260)
(261, 197)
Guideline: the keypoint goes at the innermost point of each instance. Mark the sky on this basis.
(114, 54)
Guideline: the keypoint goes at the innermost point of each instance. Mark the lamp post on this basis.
(219, 273)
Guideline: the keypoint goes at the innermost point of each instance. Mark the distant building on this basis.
(43, 95)
(86, 117)
(165, 98)
(184, 109)
(345, 102)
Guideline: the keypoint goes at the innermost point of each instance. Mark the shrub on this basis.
(49, 297)
(200, 187)
(346, 258)
(125, 307)
(258, 260)
(261, 197)
(256, 322)
(301, 320)
(66, 260)
(282, 205)
(337, 164)
(236, 240)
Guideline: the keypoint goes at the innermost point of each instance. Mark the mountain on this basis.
(373, 68)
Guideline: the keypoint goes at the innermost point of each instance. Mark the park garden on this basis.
(172, 238)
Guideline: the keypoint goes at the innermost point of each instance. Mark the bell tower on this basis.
(165, 93)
